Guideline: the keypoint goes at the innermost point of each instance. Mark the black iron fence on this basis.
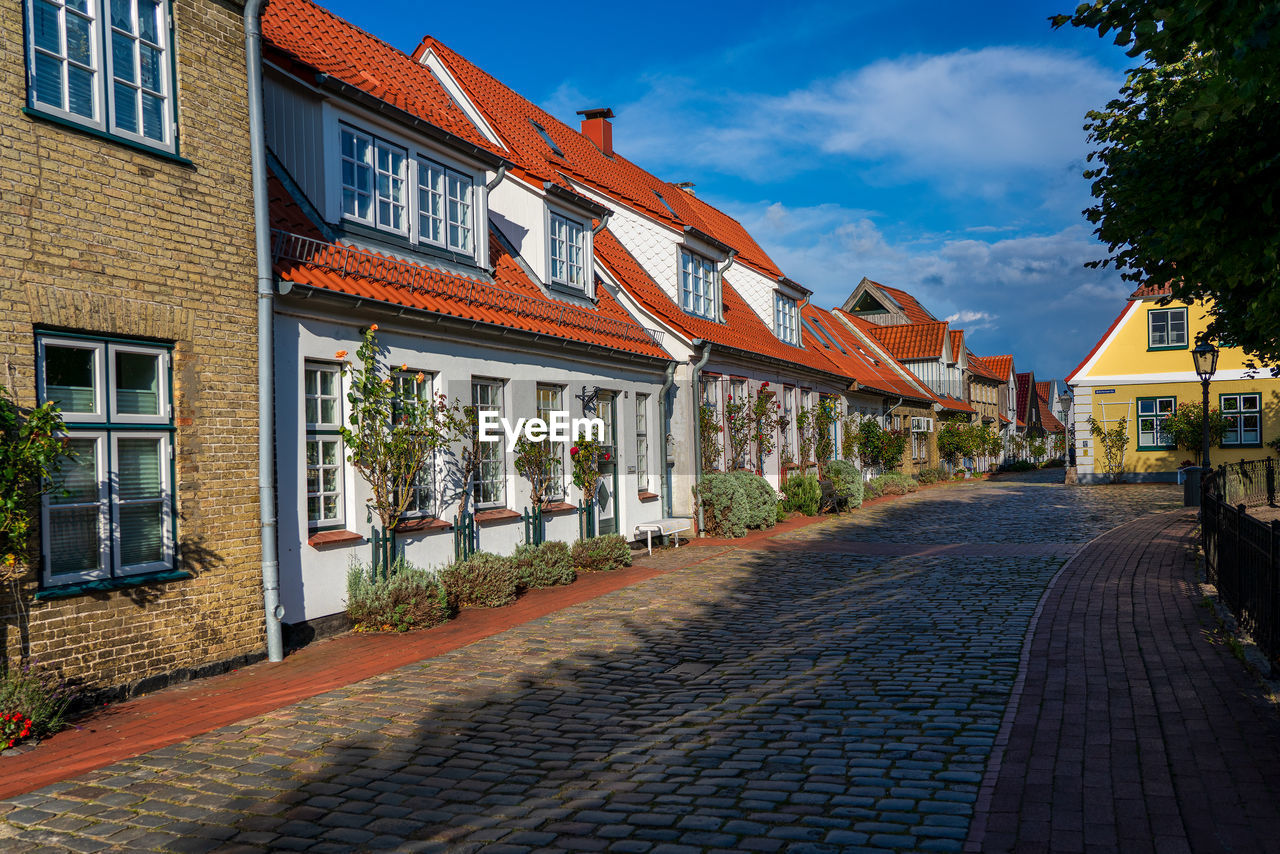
(1242, 552)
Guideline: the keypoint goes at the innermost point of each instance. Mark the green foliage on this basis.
(709, 429)
(931, 475)
(585, 457)
(739, 428)
(761, 500)
(735, 502)
(1036, 446)
(545, 565)
(405, 598)
(1111, 445)
(849, 437)
(1185, 172)
(846, 484)
(823, 439)
(805, 430)
(956, 439)
(802, 493)
(533, 461)
(39, 697)
(894, 483)
(484, 580)
(870, 490)
(765, 420)
(1187, 426)
(391, 435)
(880, 447)
(1018, 465)
(31, 454)
(601, 554)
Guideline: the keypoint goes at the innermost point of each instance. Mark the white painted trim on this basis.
(1125, 317)
(451, 85)
(1176, 377)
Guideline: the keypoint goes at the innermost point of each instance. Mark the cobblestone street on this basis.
(841, 687)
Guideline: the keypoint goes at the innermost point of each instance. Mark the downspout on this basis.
(266, 311)
(497, 179)
(604, 220)
(697, 423)
(664, 419)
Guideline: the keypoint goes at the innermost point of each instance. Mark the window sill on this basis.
(1157, 448)
(558, 507)
(334, 538)
(647, 496)
(32, 113)
(1171, 347)
(498, 514)
(422, 525)
(1234, 447)
(108, 584)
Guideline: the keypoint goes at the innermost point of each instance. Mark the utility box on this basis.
(1190, 486)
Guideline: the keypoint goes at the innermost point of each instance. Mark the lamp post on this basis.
(1205, 356)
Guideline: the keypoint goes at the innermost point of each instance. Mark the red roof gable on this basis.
(300, 34)
(981, 367)
(913, 340)
(1024, 382)
(1150, 290)
(303, 257)
(857, 363)
(512, 117)
(1001, 366)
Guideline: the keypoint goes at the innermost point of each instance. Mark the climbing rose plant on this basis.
(32, 449)
(586, 455)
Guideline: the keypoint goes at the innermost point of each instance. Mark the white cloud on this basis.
(972, 120)
(1030, 295)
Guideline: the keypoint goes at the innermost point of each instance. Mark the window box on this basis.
(496, 515)
(334, 538)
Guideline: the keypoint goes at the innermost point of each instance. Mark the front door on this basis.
(607, 490)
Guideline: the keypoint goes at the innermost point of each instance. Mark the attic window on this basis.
(869, 305)
(818, 323)
(665, 205)
(546, 137)
(814, 333)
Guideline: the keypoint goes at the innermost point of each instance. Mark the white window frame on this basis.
(699, 279)
(1234, 437)
(376, 145)
(556, 483)
(104, 428)
(425, 485)
(497, 456)
(166, 502)
(428, 176)
(102, 68)
(1156, 418)
(565, 238)
(786, 313)
(642, 442)
(1168, 314)
(320, 432)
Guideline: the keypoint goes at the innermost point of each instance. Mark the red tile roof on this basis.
(301, 36)
(866, 368)
(1024, 381)
(1047, 418)
(1001, 366)
(1043, 389)
(743, 329)
(980, 366)
(957, 343)
(911, 306)
(512, 115)
(1004, 419)
(1150, 290)
(303, 257)
(913, 340)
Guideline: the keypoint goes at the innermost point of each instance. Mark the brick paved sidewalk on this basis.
(1134, 728)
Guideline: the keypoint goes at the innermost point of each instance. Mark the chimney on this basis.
(597, 128)
(687, 186)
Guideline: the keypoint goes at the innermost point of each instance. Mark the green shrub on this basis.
(871, 490)
(545, 565)
(762, 501)
(932, 475)
(34, 703)
(895, 483)
(601, 554)
(781, 511)
(846, 484)
(725, 505)
(803, 493)
(483, 580)
(408, 598)
(1018, 465)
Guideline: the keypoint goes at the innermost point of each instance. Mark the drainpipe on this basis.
(697, 424)
(497, 179)
(266, 311)
(664, 419)
(604, 220)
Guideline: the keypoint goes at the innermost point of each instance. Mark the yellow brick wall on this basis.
(100, 238)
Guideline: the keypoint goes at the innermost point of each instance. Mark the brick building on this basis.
(127, 280)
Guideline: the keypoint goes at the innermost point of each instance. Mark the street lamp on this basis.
(1205, 356)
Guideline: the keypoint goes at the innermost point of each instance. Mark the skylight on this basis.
(814, 332)
(665, 205)
(833, 339)
(546, 137)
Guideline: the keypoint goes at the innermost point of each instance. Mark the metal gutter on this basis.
(697, 424)
(272, 608)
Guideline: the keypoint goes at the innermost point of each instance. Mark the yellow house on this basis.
(1142, 370)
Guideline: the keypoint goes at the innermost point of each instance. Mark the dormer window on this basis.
(377, 178)
(698, 285)
(784, 319)
(568, 252)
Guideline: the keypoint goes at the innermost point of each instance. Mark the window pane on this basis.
(1230, 403)
(122, 15)
(152, 117)
(149, 62)
(75, 543)
(126, 105)
(69, 378)
(1146, 407)
(79, 46)
(149, 20)
(77, 480)
(48, 80)
(138, 468)
(137, 383)
(1249, 402)
(80, 91)
(48, 32)
(142, 533)
(122, 58)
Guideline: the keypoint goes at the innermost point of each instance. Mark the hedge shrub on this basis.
(762, 501)
(601, 554)
(725, 510)
(483, 580)
(408, 598)
(895, 483)
(546, 565)
(803, 493)
(846, 484)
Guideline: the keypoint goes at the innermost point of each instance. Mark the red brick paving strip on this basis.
(1133, 730)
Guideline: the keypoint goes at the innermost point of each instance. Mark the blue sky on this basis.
(929, 145)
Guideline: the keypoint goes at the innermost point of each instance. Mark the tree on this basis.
(1186, 173)
(1186, 425)
(955, 440)
(1111, 446)
(392, 436)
